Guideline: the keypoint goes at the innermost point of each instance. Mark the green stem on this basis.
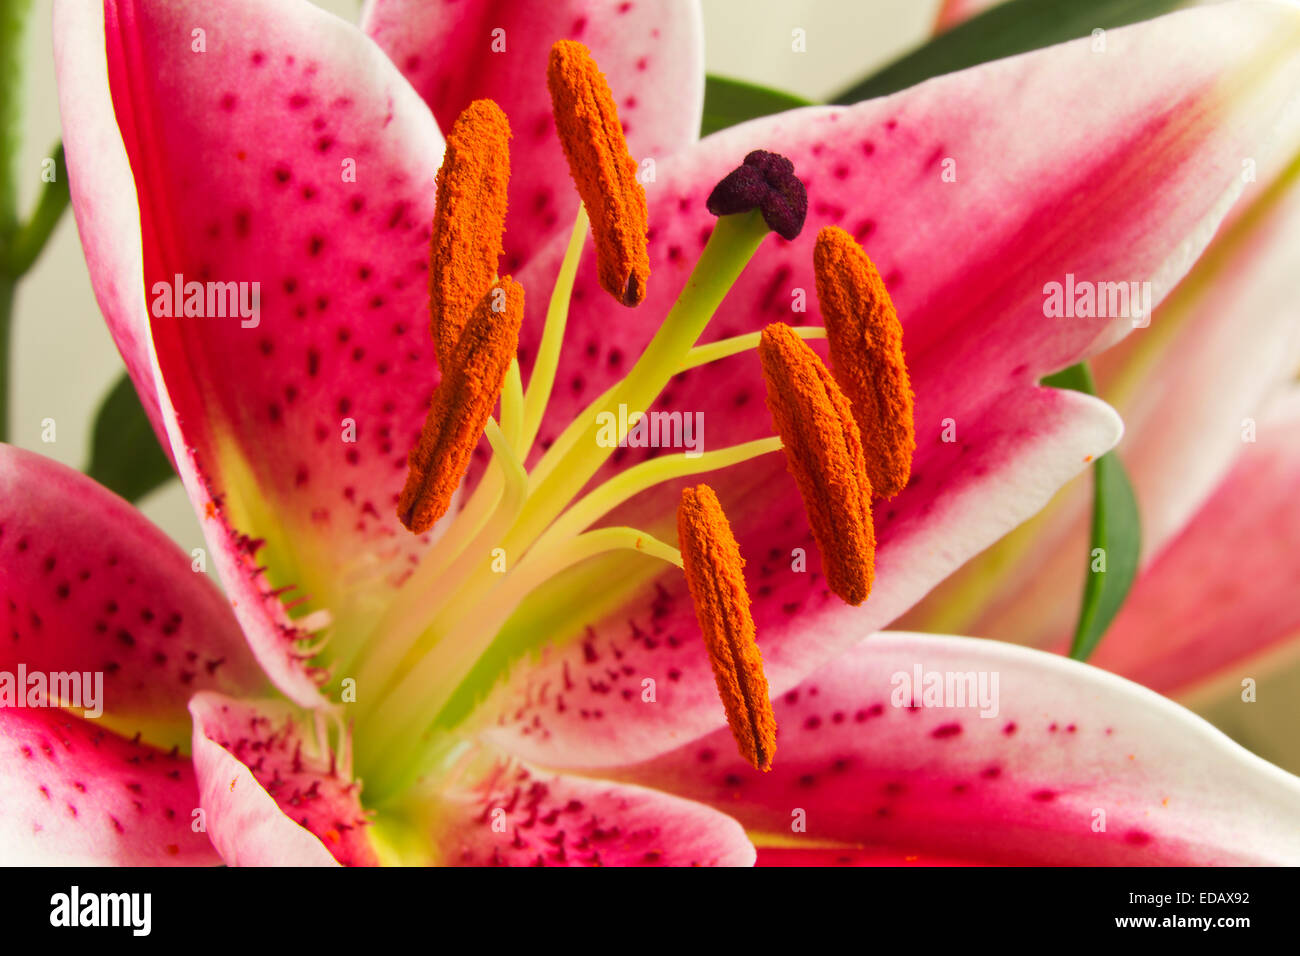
(13, 31)
(7, 288)
(14, 15)
(29, 240)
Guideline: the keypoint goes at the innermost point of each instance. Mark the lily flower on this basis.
(522, 681)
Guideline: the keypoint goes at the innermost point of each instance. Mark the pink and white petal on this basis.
(88, 586)
(651, 51)
(975, 332)
(505, 813)
(1072, 765)
(103, 198)
(77, 794)
(1217, 352)
(1223, 591)
(292, 154)
(270, 797)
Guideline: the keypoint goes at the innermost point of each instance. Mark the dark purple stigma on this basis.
(766, 181)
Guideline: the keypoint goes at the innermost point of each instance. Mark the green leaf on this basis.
(728, 102)
(125, 456)
(1016, 26)
(1116, 531)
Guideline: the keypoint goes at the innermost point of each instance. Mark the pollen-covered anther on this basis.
(602, 168)
(715, 577)
(766, 182)
(462, 404)
(468, 221)
(866, 345)
(823, 450)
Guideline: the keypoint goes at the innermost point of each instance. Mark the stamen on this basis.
(462, 404)
(715, 578)
(866, 344)
(468, 221)
(725, 348)
(602, 168)
(824, 453)
(655, 471)
(548, 350)
(766, 182)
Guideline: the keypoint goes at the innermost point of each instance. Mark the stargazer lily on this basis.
(505, 685)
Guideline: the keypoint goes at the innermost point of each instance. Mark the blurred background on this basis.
(65, 360)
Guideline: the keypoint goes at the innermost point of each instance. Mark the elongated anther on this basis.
(824, 453)
(462, 404)
(469, 221)
(602, 168)
(716, 580)
(866, 344)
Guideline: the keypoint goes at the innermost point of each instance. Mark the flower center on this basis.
(522, 528)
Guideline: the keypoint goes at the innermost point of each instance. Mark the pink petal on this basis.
(1224, 589)
(974, 331)
(242, 153)
(87, 584)
(1068, 744)
(1225, 342)
(269, 797)
(78, 794)
(105, 204)
(514, 815)
(651, 51)
(1217, 352)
